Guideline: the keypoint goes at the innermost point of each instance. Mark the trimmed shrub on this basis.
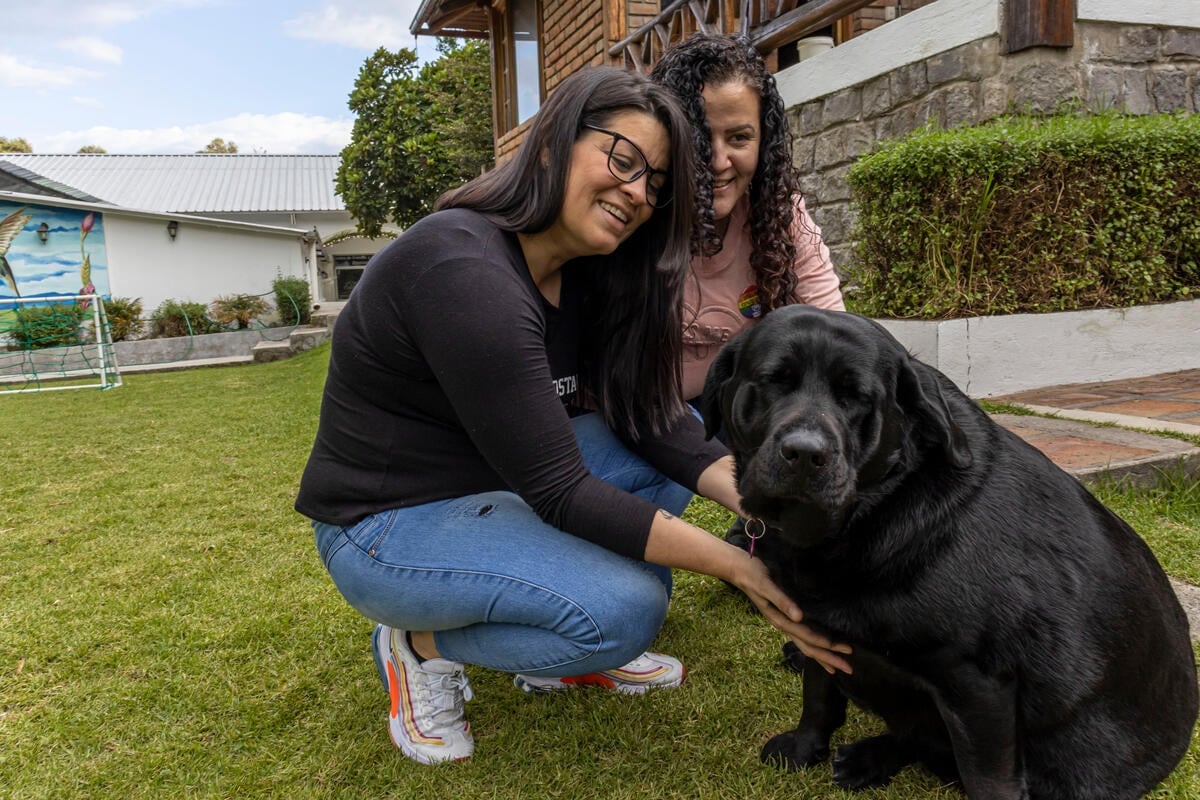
(52, 325)
(124, 317)
(1029, 214)
(292, 300)
(239, 309)
(180, 318)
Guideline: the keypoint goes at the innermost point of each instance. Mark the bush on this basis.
(241, 309)
(180, 318)
(292, 300)
(53, 325)
(1029, 215)
(124, 317)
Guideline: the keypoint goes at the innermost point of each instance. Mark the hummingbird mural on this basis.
(9, 228)
(85, 264)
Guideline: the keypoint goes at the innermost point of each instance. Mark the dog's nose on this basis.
(804, 449)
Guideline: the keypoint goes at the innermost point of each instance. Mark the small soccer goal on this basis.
(56, 342)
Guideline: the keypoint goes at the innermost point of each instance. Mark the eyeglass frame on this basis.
(646, 169)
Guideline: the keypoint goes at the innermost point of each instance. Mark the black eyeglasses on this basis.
(627, 163)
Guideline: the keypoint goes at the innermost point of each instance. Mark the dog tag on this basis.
(754, 537)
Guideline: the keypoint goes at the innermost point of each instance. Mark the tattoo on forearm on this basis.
(666, 514)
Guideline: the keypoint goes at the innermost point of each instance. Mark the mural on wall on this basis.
(71, 260)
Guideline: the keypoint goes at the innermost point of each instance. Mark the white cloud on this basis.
(23, 75)
(284, 134)
(93, 48)
(360, 24)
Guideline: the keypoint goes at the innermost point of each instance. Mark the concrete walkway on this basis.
(1080, 437)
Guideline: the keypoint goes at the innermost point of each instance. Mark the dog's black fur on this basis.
(1013, 633)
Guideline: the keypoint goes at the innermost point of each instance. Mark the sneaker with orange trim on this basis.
(425, 717)
(647, 671)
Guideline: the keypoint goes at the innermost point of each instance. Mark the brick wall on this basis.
(1139, 69)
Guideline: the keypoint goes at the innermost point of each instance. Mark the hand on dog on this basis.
(785, 615)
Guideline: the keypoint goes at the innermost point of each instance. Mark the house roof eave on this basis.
(460, 19)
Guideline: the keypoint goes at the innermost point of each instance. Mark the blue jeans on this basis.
(499, 587)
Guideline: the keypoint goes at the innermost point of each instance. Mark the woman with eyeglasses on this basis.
(503, 451)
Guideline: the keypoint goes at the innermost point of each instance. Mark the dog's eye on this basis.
(782, 375)
(850, 389)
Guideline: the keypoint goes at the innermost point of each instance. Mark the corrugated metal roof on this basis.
(55, 187)
(195, 184)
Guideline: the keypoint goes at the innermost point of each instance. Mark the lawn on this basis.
(166, 629)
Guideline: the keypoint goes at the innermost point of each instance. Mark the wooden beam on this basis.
(1038, 23)
(805, 18)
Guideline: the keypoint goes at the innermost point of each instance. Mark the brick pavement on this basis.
(1082, 439)
(1080, 436)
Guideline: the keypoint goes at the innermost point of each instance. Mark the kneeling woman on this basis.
(464, 497)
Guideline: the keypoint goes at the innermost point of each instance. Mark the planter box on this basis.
(988, 356)
(187, 348)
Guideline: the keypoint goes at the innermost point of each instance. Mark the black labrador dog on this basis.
(1014, 634)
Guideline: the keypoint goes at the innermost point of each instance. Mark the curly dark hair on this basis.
(706, 59)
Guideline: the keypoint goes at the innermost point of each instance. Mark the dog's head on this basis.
(820, 408)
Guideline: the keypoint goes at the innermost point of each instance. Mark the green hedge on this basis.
(1029, 215)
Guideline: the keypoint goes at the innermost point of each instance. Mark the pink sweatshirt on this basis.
(720, 296)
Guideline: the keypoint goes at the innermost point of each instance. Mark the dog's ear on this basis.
(920, 393)
(720, 372)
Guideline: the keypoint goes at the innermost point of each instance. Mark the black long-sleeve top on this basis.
(451, 375)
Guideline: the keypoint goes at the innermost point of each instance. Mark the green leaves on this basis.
(1029, 215)
(417, 132)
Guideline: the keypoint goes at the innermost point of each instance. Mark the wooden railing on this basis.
(768, 23)
(771, 24)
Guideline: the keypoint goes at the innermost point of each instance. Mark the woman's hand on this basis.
(785, 615)
(681, 545)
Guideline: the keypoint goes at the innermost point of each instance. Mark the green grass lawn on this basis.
(166, 629)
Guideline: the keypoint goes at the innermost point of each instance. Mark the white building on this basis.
(183, 227)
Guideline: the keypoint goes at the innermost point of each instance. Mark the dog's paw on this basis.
(867, 763)
(793, 659)
(795, 750)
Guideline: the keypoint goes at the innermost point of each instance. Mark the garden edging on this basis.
(987, 356)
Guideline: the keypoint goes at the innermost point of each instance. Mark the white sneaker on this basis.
(425, 719)
(647, 671)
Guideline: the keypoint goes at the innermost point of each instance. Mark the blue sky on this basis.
(168, 76)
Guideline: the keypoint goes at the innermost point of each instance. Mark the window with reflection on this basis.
(518, 61)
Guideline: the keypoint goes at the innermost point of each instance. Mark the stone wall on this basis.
(1134, 68)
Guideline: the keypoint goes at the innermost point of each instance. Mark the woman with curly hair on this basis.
(755, 247)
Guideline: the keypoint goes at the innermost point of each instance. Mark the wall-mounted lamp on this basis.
(43, 232)
(173, 229)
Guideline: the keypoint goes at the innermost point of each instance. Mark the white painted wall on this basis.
(987, 356)
(939, 27)
(929, 30)
(203, 261)
(1171, 13)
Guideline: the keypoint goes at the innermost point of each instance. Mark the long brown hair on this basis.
(632, 341)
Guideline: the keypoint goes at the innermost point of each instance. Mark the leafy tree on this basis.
(417, 132)
(92, 148)
(219, 145)
(14, 146)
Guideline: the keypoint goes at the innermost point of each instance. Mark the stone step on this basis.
(271, 351)
(323, 319)
(306, 337)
